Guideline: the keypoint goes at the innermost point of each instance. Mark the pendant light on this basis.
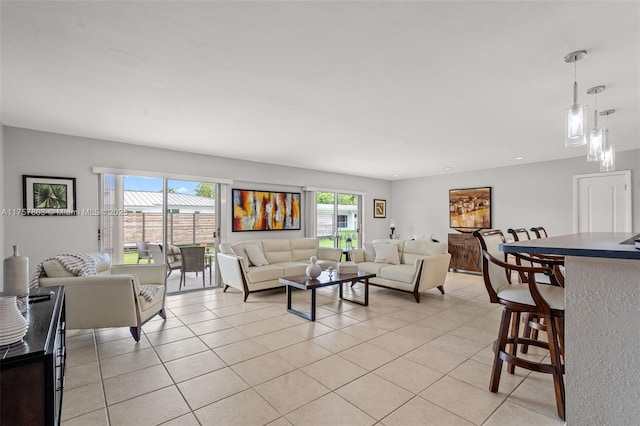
(608, 156)
(576, 121)
(596, 135)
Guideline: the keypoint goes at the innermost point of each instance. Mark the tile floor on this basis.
(219, 361)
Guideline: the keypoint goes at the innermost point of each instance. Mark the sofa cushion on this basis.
(258, 274)
(54, 269)
(386, 253)
(303, 248)
(293, 268)
(256, 256)
(420, 249)
(371, 267)
(277, 250)
(402, 273)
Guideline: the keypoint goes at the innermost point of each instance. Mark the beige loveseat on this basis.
(112, 298)
(413, 266)
(242, 268)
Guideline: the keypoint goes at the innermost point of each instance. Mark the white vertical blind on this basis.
(106, 202)
(310, 220)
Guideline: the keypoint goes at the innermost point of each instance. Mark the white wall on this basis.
(33, 152)
(527, 195)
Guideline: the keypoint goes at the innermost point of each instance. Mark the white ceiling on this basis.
(374, 89)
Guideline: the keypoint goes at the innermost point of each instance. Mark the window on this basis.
(342, 221)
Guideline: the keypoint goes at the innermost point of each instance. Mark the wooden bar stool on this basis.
(544, 301)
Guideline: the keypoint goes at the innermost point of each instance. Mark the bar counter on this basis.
(602, 320)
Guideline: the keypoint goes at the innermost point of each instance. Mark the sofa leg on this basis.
(135, 332)
(246, 294)
(162, 314)
(225, 288)
(416, 296)
(441, 288)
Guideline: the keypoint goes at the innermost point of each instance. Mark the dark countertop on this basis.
(613, 245)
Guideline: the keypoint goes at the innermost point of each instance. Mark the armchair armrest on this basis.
(98, 301)
(434, 271)
(232, 271)
(330, 253)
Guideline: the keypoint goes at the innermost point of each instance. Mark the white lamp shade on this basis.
(608, 158)
(596, 142)
(576, 122)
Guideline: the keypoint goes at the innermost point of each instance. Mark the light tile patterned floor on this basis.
(219, 361)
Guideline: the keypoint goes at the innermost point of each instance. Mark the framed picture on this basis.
(48, 195)
(380, 209)
(470, 209)
(265, 210)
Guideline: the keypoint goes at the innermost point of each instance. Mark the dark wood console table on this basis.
(32, 370)
(466, 255)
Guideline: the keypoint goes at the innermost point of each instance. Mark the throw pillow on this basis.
(386, 253)
(369, 252)
(54, 269)
(255, 255)
(239, 250)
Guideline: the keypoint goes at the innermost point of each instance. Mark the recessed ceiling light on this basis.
(396, 175)
(519, 158)
(448, 168)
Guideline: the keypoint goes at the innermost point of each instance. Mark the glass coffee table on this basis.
(303, 282)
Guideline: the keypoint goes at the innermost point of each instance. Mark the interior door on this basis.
(602, 202)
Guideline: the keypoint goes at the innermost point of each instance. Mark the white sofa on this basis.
(420, 265)
(112, 297)
(284, 257)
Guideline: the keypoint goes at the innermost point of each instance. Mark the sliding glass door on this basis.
(337, 219)
(168, 212)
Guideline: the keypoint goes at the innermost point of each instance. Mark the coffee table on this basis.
(303, 282)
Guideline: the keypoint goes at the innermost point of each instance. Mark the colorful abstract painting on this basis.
(265, 211)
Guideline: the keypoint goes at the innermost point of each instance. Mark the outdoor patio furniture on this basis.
(192, 261)
(143, 251)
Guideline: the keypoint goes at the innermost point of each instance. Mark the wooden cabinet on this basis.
(465, 253)
(32, 371)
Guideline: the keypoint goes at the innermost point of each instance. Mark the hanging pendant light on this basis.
(576, 121)
(608, 156)
(596, 135)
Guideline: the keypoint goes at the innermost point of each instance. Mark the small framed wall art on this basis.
(48, 195)
(380, 209)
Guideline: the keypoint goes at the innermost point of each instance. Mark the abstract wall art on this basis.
(265, 210)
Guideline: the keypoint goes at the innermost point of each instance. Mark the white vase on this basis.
(313, 270)
(16, 279)
(13, 326)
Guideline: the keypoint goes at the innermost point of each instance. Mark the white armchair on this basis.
(112, 298)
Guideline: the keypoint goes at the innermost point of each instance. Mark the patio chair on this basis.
(192, 261)
(155, 252)
(143, 251)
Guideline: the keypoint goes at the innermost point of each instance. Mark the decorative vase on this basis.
(313, 270)
(16, 279)
(13, 326)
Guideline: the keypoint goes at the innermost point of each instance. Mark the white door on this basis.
(602, 202)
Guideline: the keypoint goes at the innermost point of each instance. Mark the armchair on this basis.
(112, 298)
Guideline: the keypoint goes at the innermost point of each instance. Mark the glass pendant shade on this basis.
(575, 118)
(608, 158)
(596, 140)
(576, 124)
